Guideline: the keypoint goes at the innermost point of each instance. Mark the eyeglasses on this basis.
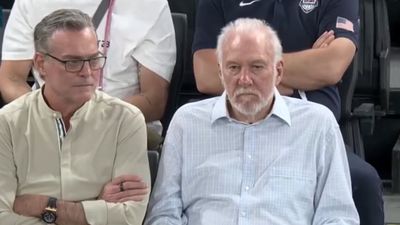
(76, 65)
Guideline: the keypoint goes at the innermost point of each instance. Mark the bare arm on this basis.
(13, 75)
(153, 95)
(34, 205)
(318, 67)
(310, 69)
(70, 213)
(205, 68)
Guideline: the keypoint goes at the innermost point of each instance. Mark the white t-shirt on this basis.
(141, 31)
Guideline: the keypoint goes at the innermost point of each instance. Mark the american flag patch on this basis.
(344, 24)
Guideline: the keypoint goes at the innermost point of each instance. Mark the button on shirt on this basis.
(106, 138)
(290, 168)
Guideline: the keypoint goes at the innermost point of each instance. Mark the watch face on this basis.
(49, 217)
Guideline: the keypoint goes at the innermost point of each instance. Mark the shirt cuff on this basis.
(95, 212)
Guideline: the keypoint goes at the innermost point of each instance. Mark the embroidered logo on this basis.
(308, 5)
(242, 3)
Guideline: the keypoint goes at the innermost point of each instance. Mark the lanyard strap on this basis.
(106, 31)
(100, 12)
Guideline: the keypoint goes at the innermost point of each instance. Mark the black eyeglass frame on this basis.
(82, 61)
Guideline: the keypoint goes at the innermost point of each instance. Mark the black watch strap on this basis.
(49, 215)
(52, 203)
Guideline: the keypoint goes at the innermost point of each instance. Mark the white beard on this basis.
(249, 108)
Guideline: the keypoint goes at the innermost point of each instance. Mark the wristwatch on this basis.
(49, 214)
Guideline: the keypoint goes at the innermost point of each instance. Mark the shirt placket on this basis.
(65, 153)
(248, 176)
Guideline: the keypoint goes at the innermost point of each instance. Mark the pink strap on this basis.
(106, 37)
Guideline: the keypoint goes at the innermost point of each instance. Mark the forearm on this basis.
(151, 108)
(206, 72)
(34, 205)
(70, 213)
(13, 75)
(316, 68)
(153, 95)
(12, 89)
(7, 217)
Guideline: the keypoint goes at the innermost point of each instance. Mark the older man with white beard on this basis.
(252, 156)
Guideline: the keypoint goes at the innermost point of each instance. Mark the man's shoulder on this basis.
(308, 110)
(21, 103)
(204, 105)
(20, 107)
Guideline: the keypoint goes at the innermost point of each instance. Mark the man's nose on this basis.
(86, 70)
(245, 77)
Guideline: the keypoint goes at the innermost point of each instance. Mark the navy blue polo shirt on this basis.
(298, 23)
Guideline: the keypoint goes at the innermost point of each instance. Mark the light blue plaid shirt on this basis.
(290, 168)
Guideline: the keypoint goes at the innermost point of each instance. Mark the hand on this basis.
(285, 90)
(124, 188)
(30, 205)
(324, 40)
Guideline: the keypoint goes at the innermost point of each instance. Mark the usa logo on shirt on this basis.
(308, 5)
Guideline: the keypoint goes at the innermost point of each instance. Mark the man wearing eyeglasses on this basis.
(68, 153)
(137, 36)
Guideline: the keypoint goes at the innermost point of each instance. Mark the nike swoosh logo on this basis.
(241, 4)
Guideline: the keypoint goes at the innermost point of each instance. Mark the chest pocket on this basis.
(294, 188)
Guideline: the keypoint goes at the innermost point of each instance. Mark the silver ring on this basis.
(121, 187)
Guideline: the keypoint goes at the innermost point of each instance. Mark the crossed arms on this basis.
(311, 69)
(69, 212)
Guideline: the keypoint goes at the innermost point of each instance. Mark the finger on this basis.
(116, 188)
(326, 37)
(135, 195)
(133, 198)
(329, 39)
(110, 189)
(123, 178)
(130, 193)
(134, 185)
(318, 42)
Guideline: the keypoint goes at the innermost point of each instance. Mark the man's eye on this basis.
(258, 67)
(75, 63)
(233, 67)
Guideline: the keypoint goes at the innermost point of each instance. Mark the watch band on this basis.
(52, 203)
(49, 215)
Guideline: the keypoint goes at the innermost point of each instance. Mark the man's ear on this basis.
(220, 73)
(279, 72)
(38, 64)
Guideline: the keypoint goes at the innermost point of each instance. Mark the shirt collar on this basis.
(279, 109)
(46, 111)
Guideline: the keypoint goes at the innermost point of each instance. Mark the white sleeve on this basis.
(333, 197)
(157, 51)
(18, 34)
(166, 206)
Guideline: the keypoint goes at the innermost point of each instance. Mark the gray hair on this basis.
(62, 19)
(250, 26)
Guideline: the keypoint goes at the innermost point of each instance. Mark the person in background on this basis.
(252, 156)
(319, 40)
(139, 45)
(70, 154)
